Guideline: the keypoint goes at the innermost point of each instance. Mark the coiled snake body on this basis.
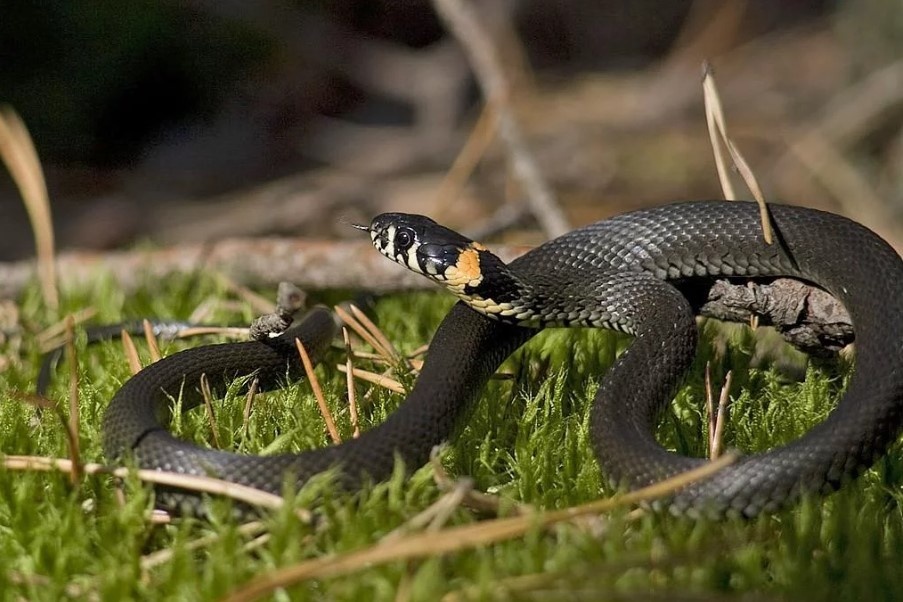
(625, 273)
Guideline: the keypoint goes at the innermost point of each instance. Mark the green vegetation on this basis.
(526, 441)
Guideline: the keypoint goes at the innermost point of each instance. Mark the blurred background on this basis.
(194, 121)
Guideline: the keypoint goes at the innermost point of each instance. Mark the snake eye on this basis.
(404, 238)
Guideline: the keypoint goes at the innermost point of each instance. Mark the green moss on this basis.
(526, 440)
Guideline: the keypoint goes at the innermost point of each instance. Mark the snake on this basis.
(634, 273)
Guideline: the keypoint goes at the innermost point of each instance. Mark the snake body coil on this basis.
(625, 273)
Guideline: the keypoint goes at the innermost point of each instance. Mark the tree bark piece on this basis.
(807, 317)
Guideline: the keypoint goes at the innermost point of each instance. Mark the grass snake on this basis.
(631, 273)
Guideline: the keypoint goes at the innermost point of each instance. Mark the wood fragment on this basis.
(807, 317)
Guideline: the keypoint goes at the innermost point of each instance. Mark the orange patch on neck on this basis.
(469, 265)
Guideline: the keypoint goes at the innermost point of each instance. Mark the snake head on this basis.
(428, 248)
(466, 268)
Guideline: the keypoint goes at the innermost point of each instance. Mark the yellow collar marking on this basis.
(466, 272)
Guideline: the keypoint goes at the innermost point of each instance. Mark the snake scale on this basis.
(629, 273)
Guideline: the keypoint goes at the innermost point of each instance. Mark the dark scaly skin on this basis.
(625, 265)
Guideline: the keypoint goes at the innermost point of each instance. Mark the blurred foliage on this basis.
(96, 81)
(873, 30)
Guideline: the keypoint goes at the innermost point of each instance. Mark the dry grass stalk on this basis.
(208, 405)
(152, 345)
(131, 353)
(380, 380)
(229, 331)
(352, 395)
(377, 333)
(857, 112)
(709, 403)
(721, 143)
(849, 186)
(318, 393)
(249, 404)
(72, 424)
(54, 336)
(719, 419)
(21, 158)
(432, 518)
(199, 484)
(362, 331)
(158, 557)
(258, 303)
(478, 501)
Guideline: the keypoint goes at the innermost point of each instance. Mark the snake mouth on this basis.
(380, 236)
